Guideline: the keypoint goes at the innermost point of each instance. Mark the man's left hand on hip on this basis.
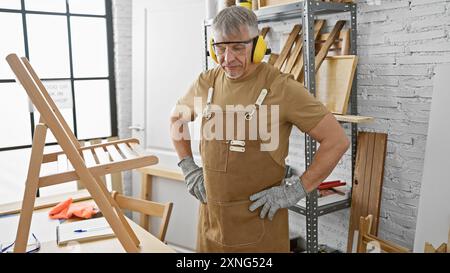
(284, 196)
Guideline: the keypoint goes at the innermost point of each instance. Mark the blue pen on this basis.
(89, 229)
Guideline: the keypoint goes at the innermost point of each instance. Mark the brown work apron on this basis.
(232, 173)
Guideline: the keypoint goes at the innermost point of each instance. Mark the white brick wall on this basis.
(122, 57)
(399, 44)
(416, 48)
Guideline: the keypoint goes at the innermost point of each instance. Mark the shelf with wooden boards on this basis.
(326, 64)
(330, 59)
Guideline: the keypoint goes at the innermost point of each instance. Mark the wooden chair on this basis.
(147, 208)
(365, 238)
(88, 163)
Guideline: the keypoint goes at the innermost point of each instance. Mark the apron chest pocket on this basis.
(214, 155)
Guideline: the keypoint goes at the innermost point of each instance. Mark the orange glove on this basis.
(66, 210)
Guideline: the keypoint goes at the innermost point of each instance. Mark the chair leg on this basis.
(31, 188)
(111, 215)
(119, 212)
(146, 194)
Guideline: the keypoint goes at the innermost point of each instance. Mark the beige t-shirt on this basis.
(296, 105)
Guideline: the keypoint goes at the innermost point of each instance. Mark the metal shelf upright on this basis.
(307, 12)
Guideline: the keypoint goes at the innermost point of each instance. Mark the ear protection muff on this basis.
(212, 53)
(259, 49)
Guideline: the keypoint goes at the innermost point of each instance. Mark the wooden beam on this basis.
(273, 58)
(294, 55)
(264, 31)
(287, 46)
(326, 46)
(299, 65)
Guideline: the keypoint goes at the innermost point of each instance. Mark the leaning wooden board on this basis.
(368, 181)
(340, 47)
(334, 82)
(322, 53)
(294, 55)
(284, 54)
(264, 31)
(298, 68)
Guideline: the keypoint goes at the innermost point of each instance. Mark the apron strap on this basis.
(207, 112)
(259, 101)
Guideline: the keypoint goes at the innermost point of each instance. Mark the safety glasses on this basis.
(34, 247)
(236, 47)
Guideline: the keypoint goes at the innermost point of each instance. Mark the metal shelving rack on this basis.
(307, 11)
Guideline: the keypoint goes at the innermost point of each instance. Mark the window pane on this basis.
(68, 116)
(10, 4)
(89, 47)
(46, 5)
(92, 109)
(61, 93)
(53, 168)
(11, 41)
(87, 7)
(14, 166)
(14, 116)
(48, 44)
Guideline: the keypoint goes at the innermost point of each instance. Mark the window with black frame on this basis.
(70, 45)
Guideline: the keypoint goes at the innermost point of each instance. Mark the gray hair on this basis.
(229, 21)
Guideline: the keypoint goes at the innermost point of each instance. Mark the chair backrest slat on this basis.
(147, 207)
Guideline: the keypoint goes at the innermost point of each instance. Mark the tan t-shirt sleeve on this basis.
(198, 89)
(302, 108)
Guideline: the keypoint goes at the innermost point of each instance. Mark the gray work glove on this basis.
(193, 176)
(286, 195)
